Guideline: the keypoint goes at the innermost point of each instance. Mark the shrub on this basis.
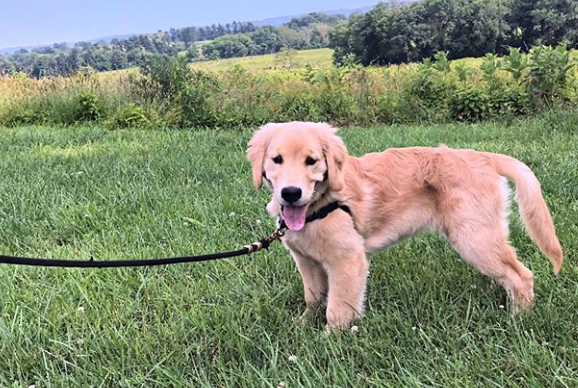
(470, 104)
(88, 107)
(128, 116)
(166, 90)
(516, 64)
(18, 114)
(510, 102)
(550, 72)
(429, 90)
(182, 93)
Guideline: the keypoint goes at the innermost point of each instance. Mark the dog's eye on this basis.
(310, 161)
(278, 159)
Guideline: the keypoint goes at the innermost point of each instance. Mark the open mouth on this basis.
(294, 216)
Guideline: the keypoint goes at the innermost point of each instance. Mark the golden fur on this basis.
(393, 195)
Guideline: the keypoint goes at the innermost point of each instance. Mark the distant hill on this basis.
(277, 21)
(280, 20)
(11, 50)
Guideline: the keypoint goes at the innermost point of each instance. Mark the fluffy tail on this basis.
(533, 209)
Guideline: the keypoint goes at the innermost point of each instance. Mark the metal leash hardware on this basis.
(264, 243)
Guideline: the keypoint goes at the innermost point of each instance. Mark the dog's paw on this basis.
(307, 317)
(332, 331)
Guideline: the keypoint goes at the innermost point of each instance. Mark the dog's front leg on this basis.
(347, 278)
(314, 283)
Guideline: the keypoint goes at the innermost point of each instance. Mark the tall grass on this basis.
(60, 100)
(168, 93)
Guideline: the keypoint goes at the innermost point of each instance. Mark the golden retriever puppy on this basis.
(389, 196)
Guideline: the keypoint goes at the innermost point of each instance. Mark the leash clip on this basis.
(264, 243)
(280, 232)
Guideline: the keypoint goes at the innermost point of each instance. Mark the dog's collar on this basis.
(320, 213)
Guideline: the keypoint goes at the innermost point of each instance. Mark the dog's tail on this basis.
(533, 209)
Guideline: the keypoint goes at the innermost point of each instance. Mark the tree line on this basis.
(228, 40)
(390, 33)
(395, 33)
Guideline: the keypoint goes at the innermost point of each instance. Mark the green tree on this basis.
(392, 33)
(315, 18)
(546, 22)
(193, 53)
(230, 46)
(267, 40)
(39, 66)
(118, 60)
(6, 65)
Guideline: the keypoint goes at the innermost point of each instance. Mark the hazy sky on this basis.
(31, 22)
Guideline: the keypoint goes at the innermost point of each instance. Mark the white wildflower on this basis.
(293, 358)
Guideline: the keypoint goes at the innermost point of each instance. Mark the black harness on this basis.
(320, 214)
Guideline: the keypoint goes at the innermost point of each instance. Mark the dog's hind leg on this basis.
(487, 248)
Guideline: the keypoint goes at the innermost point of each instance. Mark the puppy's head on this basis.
(299, 162)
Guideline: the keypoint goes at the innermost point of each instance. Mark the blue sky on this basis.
(32, 22)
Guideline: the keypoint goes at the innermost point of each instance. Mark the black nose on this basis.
(291, 194)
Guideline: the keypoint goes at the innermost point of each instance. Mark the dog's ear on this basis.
(335, 153)
(256, 152)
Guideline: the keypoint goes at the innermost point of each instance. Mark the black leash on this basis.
(246, 250)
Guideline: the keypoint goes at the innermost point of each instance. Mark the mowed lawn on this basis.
(431, 319)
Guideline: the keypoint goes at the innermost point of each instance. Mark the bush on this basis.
(429, 91)
(19, 114)
(470, 104)
(181, 93)
(168, 93)
(549, 72)
(128, 116)
(88, 107)
(510, 102)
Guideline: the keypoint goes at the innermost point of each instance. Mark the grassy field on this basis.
(318, 58)
(431, 319)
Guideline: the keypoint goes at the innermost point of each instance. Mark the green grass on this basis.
(318, 58)
(431, 319)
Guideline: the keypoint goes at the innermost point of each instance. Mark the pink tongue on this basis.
(295, 216)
